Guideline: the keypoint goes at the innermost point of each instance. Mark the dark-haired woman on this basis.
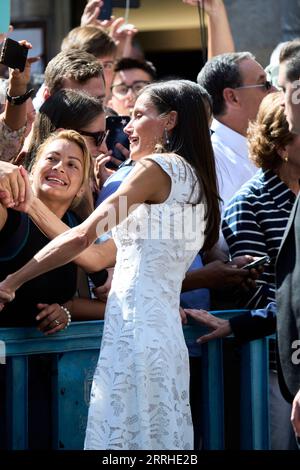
(163, 214)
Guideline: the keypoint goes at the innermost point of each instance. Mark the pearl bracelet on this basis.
(67, 312)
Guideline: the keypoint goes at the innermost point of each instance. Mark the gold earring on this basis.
(286, 158)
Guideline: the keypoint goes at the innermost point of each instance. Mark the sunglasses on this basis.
(97, 136)
(267, 85)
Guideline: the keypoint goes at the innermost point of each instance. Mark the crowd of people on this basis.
(219, 154)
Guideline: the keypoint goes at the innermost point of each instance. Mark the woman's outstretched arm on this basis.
(148, 182)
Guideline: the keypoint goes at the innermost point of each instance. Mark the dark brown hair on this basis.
(190, 139)
(91, 39)
(77, 65)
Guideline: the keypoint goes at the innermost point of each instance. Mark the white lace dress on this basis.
(140, 392)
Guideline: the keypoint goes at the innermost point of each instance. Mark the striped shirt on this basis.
(254, 224)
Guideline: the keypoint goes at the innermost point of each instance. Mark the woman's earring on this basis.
(286, 158)
(167, 140)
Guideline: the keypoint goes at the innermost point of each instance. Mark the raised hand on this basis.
(123, 35)
(91, 13)
(211, 7)
(12, 185)
(102, 173)
(18, 80)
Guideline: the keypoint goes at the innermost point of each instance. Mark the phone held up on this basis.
(258, 262)
(116, 135)
(13, 55)
(106, 10)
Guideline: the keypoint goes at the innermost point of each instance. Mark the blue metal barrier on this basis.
(74, 354)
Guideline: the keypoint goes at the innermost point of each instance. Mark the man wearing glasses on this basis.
(131, 76)
(237, 85)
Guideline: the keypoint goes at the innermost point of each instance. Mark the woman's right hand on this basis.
(6, 293)
(102, 173)
(12, 184)
(15, 188)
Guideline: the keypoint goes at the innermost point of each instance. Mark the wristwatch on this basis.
(15, 100)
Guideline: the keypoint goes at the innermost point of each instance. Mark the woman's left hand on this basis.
(52, 318)
(220, 327)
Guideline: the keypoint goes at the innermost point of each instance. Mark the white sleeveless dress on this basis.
(140, 391)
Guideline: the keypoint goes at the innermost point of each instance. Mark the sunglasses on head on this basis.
(97, 136)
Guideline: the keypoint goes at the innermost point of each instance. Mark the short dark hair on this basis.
(219, 73)
(127, 64)
(289, 49)
(68, 109)
(91, 39)
(77, 65)
(293, 68)
(290, 55)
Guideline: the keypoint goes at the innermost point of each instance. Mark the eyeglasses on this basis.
(122, 89)
(97, 136)
(108, 65)
(267, 85)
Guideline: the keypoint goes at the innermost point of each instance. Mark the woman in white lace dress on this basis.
(140, 393)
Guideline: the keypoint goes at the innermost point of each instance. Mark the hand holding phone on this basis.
(105, 10)
(13, 54)
(116, 135)
(257, 263)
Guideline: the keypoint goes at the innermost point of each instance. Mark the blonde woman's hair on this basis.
(76, 138)
(269, 133)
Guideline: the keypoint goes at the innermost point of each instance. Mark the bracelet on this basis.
(67, 312)
(16, 100)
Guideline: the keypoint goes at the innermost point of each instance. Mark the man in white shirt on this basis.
(237, 85)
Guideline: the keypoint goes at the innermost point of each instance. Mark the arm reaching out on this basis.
(220, 38)
(15, 192)
(148, 182)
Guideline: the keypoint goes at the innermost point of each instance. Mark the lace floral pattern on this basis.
(10, 141)
(140, 392)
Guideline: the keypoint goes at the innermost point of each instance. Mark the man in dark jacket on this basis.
(288, 262)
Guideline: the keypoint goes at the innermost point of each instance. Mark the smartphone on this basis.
(5, 16)
(115, 127)
(106, 10)
(13, 55)
(259, 262)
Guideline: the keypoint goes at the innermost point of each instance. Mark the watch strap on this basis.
(15, 100)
